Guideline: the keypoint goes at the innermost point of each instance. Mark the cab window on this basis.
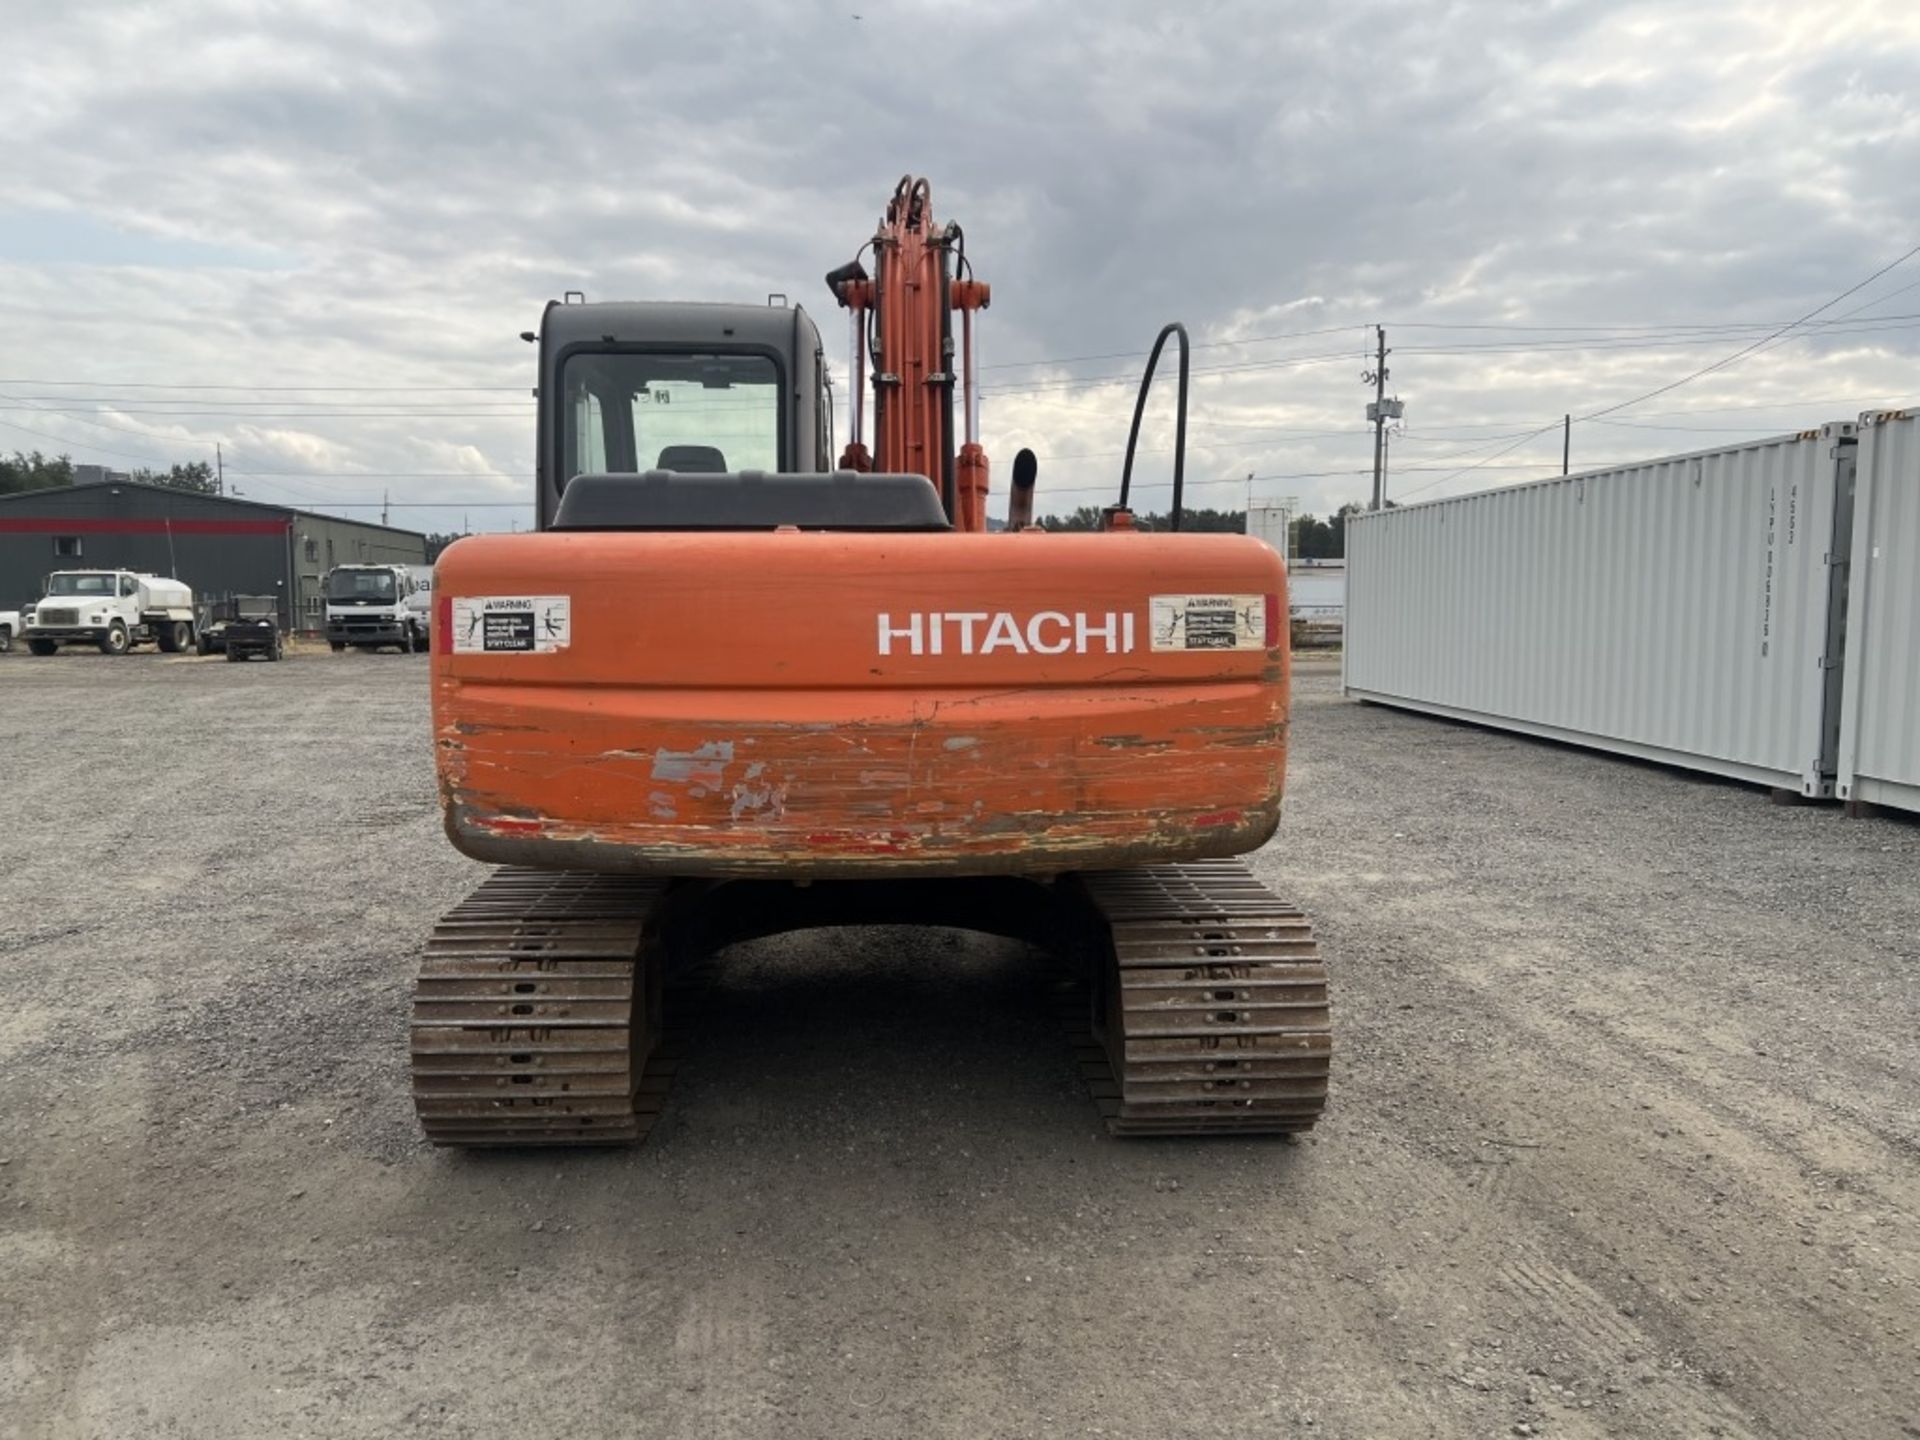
(629, 411)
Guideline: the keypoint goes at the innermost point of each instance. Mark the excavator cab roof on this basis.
(669, 324)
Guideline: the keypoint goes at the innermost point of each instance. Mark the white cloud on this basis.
(424, 177)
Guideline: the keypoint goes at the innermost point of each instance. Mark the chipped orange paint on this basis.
(728, 705)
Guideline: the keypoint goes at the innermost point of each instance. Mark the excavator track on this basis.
(536, 1016)
(1208, 1006)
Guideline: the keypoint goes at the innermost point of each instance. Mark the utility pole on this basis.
(1380, 412)
(1566, 443)
(1377, 412)
(219, 472)
(385, 496)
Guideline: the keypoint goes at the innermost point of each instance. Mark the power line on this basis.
(1285, 363)
(1568, 336)
(1294, 475)
(1572, 346)
(290, 389)
(82, 420)
(1666, 327)
(1758, 344)
(396, 474)
(1192, 444)
(1695, 429)
(147, 405)
(1672, 385)
(1879, 300)
(1484, 464)
(1577, 344)
(250, 415)
(1131, 354)
(1776, 405)
(83, 444)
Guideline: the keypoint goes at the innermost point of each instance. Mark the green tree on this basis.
(1317, 539)
(33, 472)
(196, 475)
(1314, 539)
(436, 543)
(1087, 517)
(1340, 527)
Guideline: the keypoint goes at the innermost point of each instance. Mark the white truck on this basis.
(113, 610)
(9, 627)
(421, 601)
(373, 605)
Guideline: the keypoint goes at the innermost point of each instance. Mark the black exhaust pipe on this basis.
(1026, 470)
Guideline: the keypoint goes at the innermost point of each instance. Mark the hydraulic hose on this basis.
(1180, 424)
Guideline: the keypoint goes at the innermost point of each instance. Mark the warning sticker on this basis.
(506, 624)
(1208, 622)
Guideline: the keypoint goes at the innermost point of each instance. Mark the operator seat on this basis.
(692, 460)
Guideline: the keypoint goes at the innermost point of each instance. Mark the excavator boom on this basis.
(902, 320)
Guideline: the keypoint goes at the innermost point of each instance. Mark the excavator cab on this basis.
(690, 389)
(727, 689)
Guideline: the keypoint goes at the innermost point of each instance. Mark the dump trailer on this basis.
(726, 691)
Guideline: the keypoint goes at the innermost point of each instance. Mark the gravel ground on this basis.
(1623, 1137)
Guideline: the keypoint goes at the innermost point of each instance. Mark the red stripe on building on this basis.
(34, 525)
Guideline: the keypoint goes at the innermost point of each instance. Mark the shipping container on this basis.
(1686, 610)
(1880, 724)
(1270, 523)
(1316, 600)
(1317, 589)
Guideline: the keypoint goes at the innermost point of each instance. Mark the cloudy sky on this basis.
(310, 233)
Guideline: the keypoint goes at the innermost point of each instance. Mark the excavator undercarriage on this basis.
(1195, 1001)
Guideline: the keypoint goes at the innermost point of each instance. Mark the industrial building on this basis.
(219, 545)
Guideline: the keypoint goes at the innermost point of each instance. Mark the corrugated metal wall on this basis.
(1676, 610)
(219, 545)
(1880, 732)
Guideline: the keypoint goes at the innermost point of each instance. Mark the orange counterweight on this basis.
(852, 704)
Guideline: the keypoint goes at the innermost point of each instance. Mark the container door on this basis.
(1839, 571)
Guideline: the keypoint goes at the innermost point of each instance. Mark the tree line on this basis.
(1313, 538)
(35, 471)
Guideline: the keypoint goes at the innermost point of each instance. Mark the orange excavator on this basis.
(728, 689)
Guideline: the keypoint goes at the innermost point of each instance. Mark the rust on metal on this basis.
(838, 709)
